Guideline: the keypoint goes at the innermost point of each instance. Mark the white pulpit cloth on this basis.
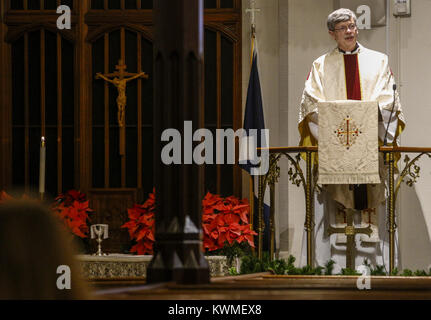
(348, 142)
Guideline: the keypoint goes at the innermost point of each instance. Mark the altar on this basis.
(134, 267)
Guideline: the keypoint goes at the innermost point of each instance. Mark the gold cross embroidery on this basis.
(347, 132)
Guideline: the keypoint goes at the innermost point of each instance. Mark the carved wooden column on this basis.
(179, 187)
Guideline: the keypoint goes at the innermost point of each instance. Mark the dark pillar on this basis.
(178, 95)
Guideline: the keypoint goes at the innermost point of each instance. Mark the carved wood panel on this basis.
(110, 207)
(88, 24)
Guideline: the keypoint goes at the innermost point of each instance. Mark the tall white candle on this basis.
(42, 166)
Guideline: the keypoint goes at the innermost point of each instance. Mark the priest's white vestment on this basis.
(362, 74)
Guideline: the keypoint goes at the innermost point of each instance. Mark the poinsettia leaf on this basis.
(207, 210)
(221, 239)
(229, 238)
(140, 235)
(250, 240)
(220, 220)
(75, 227)
(235, 226)
(150, 236)
(235, 232)
(206, 229)
(247, 230)
(128, 224)
(244, 216)
(139, 248)
(214, 234)
(231, 218)
(4, 196)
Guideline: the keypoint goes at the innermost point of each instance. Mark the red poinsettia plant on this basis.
(141, 225)
(72, 208)
(4, 196)
(225, 222)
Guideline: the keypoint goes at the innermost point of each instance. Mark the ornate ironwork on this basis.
(274, 170)
(297, 176)
(391, 212)
(308, 179)
(271, 179)
(410, 170)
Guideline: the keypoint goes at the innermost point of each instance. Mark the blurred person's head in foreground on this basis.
(33, 245)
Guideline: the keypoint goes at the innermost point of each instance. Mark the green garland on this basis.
(232, 251)
(252, 264)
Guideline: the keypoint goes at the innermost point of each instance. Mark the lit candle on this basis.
(42, 167)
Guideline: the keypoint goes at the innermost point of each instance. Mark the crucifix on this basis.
(119, 80)
(252, 12)
(350, 231)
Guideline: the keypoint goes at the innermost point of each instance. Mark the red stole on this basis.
(353, 82)
(353, 88)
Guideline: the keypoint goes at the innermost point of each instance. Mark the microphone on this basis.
(394, 87)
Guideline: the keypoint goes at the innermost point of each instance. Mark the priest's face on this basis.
(345, 34)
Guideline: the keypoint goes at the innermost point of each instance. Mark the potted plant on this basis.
(225, 223)
(72, 207)
(226, 227)
(141, 225)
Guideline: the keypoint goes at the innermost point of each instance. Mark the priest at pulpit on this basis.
(350, 72)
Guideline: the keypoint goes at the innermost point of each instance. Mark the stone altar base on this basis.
(134, 267)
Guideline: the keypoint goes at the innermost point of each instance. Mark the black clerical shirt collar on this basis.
(354, 51)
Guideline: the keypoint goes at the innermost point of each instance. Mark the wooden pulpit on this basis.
(307, 178)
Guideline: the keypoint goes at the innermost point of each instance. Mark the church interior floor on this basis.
(264, 286)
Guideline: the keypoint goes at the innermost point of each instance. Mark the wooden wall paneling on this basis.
(42, 84)
(137, 18)
(218, 104)
(110, 207)
(26, 116)
(222, 16)
(228, 23)
(123, 57)
(3, 132)
(7, 67)
(59, 118)
(83, 80)
(84, 22)
(5, 101)
(237, 110)
(139, 107)
(106, 99)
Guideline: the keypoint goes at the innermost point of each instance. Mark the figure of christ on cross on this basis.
(119, 80)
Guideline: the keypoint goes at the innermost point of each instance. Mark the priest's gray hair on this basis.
(338, 16)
